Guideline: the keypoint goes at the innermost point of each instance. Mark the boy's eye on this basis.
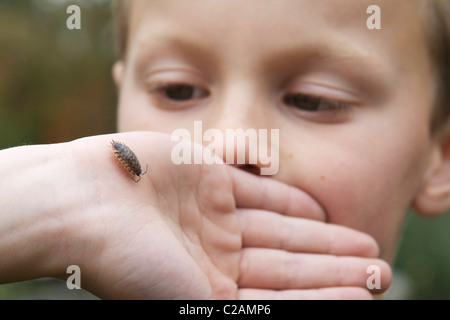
(313, 104)
(180, 92)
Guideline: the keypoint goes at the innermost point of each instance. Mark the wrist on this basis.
(37, 213)
(26, 227)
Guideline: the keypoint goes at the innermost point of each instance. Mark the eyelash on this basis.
(314, 103)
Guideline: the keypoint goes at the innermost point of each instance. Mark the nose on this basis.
(242, 119)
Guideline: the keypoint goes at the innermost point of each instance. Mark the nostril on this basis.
(251, 169)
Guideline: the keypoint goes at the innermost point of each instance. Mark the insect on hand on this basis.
(128, 160)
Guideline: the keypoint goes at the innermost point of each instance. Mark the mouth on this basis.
(251, 169)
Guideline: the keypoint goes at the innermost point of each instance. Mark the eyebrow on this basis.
(190, 48)
(359, 66)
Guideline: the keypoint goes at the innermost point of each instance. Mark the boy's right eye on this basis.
(179, 92)
(182, 92)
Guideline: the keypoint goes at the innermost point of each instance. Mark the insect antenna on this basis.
(146, 169)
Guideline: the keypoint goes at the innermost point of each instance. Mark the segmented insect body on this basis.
(128, 160)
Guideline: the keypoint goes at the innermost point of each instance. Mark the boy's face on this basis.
(361, 152)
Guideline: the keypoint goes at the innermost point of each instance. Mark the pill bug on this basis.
(128, 160)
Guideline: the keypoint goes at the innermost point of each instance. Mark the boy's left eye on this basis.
(313, 104)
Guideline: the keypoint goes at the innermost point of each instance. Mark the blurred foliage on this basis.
(424, 257)
(55, 85)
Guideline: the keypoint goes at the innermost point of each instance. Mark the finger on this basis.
(252, 191)
(281, 270)
(265, 229)
(342, 293)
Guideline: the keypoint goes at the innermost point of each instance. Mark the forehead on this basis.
(241, 31)
(272, 15)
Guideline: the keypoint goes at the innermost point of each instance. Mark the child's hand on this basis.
(289, 257)
(176, 233)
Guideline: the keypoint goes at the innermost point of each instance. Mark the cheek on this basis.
(132, 114)
(366, 182)
(135, 112)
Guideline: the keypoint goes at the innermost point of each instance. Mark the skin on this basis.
(182, 232)
(204, 231)
(241, 62)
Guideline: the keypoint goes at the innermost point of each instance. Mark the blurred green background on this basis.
(55, 86)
